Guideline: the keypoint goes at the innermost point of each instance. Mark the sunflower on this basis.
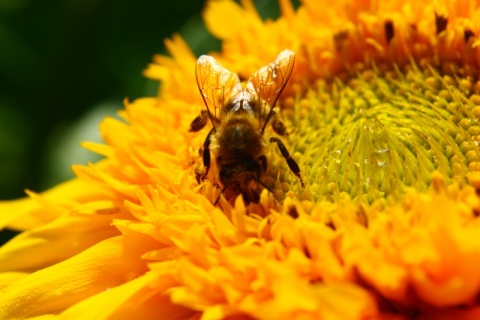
(382, 109)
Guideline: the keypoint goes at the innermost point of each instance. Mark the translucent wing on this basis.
(269, 82)
(216, 85)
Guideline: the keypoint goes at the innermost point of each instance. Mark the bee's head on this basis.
(243, 177)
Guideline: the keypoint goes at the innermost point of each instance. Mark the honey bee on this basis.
(239, 113)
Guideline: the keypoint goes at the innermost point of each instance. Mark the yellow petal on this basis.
(136, 299)
(37, 210)
(107, 264)
(7, 278)
(55, 241)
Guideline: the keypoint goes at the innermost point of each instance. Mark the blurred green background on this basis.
(65, 64)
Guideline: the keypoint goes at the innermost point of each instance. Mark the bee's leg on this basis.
(198, 175)
(263, 162)
(251, 196)
(206, 152)
(292, 164)
(277, 124)
(199, 122)
(220, 194)
(279, 127)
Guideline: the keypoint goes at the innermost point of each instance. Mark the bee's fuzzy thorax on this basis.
(239, 137)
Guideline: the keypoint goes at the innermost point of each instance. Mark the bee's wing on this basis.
(216, 85)
(269, 82)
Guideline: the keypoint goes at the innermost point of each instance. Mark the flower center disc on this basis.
(377, 133)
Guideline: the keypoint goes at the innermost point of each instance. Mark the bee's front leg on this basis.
(277, 124)
(279, 127)
(206, 153)
(292, 164)
(199, 122)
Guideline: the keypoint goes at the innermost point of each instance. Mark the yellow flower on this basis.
(383, 104)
